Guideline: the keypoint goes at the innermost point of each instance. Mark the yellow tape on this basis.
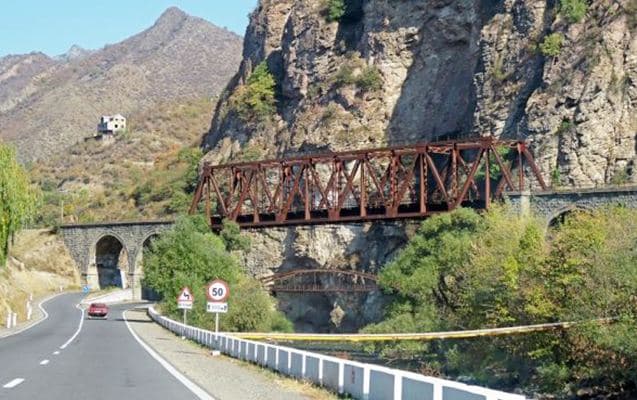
(514, 330)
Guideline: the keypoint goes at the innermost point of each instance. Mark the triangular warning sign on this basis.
(185, 295)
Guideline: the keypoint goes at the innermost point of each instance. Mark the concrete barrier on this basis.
(358, 380)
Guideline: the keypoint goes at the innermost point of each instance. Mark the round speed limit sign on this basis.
(217, 291)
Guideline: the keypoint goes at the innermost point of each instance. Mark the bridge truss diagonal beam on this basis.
(364, 185)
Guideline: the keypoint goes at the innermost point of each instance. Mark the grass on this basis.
(132, 178)
(38, 265)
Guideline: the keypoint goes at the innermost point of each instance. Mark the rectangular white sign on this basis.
(187, 305)
(217, 307)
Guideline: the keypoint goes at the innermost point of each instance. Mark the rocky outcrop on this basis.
(444, 69)
(362, 247)
(396, 71)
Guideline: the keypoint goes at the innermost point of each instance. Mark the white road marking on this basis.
(44, 362)
(56, 352)
(77, 332)
(193, 387)
(46, 315)
(13, 383)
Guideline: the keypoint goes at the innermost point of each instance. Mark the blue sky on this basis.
(52, 26)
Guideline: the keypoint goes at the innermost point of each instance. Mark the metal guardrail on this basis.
(358, 380)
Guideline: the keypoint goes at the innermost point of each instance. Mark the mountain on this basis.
(407, 71)
(19, 75)
(47, 105)
(74, 53)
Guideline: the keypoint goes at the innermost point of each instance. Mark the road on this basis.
(68, 357)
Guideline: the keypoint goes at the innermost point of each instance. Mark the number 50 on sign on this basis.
(217, 291)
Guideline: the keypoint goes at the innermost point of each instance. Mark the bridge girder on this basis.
(389, 183)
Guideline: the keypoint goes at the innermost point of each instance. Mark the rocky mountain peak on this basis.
(74, 53)
(180, 57)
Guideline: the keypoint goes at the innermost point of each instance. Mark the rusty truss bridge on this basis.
(389, 183)
(320, 280)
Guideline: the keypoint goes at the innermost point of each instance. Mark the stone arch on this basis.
(109, 261)
(558, 217)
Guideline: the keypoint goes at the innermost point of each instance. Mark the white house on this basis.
(111, 124)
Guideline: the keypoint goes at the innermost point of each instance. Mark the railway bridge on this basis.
(350, 187)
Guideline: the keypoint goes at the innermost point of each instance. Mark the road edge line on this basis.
(34, 323)
(193, 387)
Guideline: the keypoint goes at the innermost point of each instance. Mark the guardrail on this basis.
(359, 380)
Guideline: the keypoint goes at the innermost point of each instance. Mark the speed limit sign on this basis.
(217, 291)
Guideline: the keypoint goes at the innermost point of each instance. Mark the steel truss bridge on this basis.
(320, 280)
(377, 184)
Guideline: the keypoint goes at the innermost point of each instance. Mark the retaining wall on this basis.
(359, 380)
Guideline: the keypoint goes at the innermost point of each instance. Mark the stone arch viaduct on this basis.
(82, 239)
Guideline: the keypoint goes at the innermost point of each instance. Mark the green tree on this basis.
(552, 45)
(191, 255)
(573, 10)
(255, 100)
(232, 237)
(335, 9)
(17, 198)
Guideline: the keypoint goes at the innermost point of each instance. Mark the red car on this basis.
(99, 310)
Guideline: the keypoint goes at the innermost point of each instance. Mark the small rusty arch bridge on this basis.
(321, 281)
(355, 186)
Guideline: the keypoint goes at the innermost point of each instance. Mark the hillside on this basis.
(364, 73)
(47, 105)
(38, 264)
(139, 175)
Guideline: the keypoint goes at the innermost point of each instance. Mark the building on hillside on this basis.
(110, 124)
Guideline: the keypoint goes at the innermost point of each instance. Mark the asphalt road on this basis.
(59, 359)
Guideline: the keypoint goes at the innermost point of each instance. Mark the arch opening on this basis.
(559, 218)
(111, 260)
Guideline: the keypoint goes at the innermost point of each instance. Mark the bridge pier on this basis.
(550, 205)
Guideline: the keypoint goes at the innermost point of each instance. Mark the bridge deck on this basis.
(395, 182)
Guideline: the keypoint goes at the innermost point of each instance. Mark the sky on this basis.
(53, 26)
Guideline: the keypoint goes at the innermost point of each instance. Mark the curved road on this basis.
(99, 359)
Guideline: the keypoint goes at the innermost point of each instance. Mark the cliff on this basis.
(396, 71)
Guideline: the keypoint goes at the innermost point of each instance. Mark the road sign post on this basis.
(217, 293)
(185, 301)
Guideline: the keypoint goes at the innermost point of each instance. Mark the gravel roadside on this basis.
(222, 377)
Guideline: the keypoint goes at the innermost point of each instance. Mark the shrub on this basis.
(552, 45)
(573, 10)
(191, 255)
(370, 79)
(255, 100)
(354, 72)
(335, 9)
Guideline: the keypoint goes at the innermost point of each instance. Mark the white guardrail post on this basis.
(362, 381)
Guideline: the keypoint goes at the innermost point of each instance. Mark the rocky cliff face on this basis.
(361, 247)
(444, 69)
(47, 105)
(395, 71)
